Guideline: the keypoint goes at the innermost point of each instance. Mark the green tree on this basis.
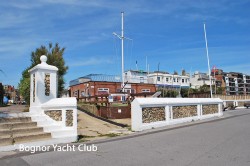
(184, 92)
(204, 88)
(220, 90)
(168, 92)
(24, 85)
(55, 57)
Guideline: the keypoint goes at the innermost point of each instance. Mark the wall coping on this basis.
(171, 101)
(60, 102)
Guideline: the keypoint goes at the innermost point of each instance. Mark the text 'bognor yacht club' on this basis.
(59, 148)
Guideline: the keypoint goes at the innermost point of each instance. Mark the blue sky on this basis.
(169, 32)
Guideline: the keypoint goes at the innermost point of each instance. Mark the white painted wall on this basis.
(139, 103)
(135, 76)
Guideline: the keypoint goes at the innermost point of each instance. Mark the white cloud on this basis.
(9, 20)
(90, 62)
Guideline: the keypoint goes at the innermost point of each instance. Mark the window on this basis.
(82, 93)
(167, 79)
(76, 93)
(145, 90)
(158, 78)
(103, 90)
(174, 79)
(177, 79)
(127, 90)
(182, 80)
(141, 80)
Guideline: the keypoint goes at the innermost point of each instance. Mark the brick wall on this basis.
(91, 88)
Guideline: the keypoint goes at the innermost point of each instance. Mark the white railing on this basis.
(59, 117)
(147, 113)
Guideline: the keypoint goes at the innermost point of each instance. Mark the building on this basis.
(218, 76)
(166, 80)
(97, 84)
(159, 78)
(11, 93)
(199, 79)
(134, 76)
(237, 83)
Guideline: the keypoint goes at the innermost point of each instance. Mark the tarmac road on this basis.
(225, 141)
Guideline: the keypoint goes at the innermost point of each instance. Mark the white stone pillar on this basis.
(43, 84)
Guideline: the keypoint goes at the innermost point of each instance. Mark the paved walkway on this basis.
(13, 108)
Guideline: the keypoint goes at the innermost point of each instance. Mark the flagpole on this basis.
(209, 71)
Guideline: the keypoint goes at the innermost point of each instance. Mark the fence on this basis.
(109, 112)
(232, 97)
(100, 105)
(147, 113)
(222, 97)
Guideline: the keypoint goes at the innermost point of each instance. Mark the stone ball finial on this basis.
(43, 59)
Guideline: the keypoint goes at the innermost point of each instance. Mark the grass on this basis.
(119, 105)
(109, 135)
(112, 104)
(129, 128)
(83, 138)
(96, 132)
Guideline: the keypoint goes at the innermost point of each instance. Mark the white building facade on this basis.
(166, 80)
(133, 76)
(199, 79)
(161, 79)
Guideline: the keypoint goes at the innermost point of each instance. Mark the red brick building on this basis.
(97, 84)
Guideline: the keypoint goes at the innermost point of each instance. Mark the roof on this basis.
(137, 71)
(95, 77)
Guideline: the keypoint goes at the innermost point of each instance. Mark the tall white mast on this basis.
(122, 38)
(209, 71)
